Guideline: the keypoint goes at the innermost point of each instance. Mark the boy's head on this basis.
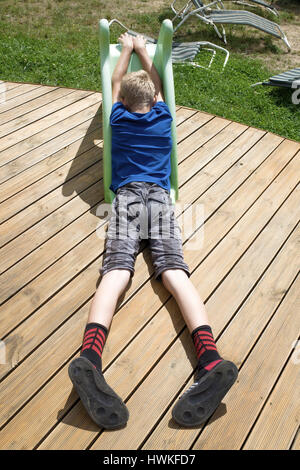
(137, 90)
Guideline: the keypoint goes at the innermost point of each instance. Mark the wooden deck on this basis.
(246, 271)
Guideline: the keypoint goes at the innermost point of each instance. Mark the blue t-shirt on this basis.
(141, 146)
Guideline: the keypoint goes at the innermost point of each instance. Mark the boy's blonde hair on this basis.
(138, 89)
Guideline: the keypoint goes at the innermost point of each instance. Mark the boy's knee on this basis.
(176, 274)
(117, 274)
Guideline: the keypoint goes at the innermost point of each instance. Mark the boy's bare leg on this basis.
(103, 405)
(215, 376)
(105, 300)
(186, 295)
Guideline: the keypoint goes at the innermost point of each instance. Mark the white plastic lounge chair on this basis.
(184, 52)
(289, 79)
(221, 16)
(258, 3)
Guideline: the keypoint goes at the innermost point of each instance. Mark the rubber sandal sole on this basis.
(198, 404)
(103, 405)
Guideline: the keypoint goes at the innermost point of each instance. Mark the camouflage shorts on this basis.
(143, 211)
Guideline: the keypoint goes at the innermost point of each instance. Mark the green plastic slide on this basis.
(161, 54)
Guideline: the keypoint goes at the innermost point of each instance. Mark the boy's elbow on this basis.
(114, 81)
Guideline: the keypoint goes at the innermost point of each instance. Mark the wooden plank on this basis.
(46, 363)
(194, 122)
(210, 149)
(55, 139)
(130, 312)
(36, 229)
(184, 114)
(19, 343)
(110, 336)
(43, 231)
(208, 169)
(19, 436)
(75, 183)
(20, 303)
(10, 253)
(86, 121)
(23, 199)
(9, 85)
(29, 267)
(271, 290)
(15, 106)
(249, 161)
(19, 90)
(296, 443)
(267, 294)
(200, 136)
(35, 236)
(244, 193)
(31, 136)
(13, 120)
(155, 390)
(141, 397)
(279, 420)
(51, 163)
(64, 431)
(13, 205)
(51, 202)
(43, 118)
(33, 295)
(256, 378)
(59, 397)
(48, 183)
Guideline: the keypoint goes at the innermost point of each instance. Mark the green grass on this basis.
(56, 43)
(50, 61)
(229, 94)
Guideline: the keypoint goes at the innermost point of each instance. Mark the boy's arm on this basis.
(122, 65)
(139, 44)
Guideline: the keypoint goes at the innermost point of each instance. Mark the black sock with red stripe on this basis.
(206, 350)
(93, 343)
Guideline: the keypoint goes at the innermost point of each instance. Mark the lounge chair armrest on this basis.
(215, 46)
(118, 22)
(173, 7)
